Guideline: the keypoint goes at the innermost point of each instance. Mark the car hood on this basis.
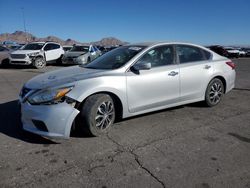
(74, 54)
(63, 76)
(25, 51)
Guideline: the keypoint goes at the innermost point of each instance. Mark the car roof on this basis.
(150, 44)
(37, 42)
(82, 45)
(42, 42)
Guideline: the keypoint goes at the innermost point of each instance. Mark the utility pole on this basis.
(24, 24)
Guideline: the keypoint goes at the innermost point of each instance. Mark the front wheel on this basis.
(214, 92)
(98, 114)
(39, 63)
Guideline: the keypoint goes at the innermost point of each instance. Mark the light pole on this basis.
(24, 24)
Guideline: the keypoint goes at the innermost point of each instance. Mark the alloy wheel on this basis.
(104, 115)
(215, 93)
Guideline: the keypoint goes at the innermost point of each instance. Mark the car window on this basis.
(95, 48)
(158, 56)
(115, 58)
(190, 54)
(33, 46)
(55, 46)
(48, 47)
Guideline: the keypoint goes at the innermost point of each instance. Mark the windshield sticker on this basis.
(135, 48)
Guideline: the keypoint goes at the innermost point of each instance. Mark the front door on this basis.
(156, 87)
(52, 52)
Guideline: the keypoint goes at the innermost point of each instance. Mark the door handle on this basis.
(207, 67)
(172, 73)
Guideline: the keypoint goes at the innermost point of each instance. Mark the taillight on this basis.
(231, 64)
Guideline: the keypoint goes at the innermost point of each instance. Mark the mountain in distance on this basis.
(109, 41)
(22, 37)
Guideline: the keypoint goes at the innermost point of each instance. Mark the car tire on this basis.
(39, 63)
(97, 114)
(214, 92)
(5, 63)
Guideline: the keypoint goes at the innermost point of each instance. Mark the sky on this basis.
(197, 21)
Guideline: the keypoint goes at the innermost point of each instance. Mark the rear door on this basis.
(196, 68)
(156, 87)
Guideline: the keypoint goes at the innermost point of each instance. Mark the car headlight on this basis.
(49, 96)
(81, 58)
(33, 54)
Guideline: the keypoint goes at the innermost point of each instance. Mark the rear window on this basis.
(188, 54)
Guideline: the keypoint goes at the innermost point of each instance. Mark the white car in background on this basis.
(232, 52)
(37, 54)
(81, 54)
(242, 53)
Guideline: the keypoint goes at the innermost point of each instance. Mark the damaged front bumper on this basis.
(48, 120)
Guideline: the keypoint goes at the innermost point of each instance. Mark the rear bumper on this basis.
(57, 119)
(230, 80)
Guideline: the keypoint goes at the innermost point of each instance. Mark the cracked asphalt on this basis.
(186, 146)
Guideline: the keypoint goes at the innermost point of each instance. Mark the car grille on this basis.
(24, 91)
(17, 56)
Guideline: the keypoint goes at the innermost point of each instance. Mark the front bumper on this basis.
(57, 118)
(26, 61)
(73, 61)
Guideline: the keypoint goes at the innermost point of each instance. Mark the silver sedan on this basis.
(130, 80)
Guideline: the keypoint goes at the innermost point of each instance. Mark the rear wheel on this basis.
(39, 63)
(98, 114)
(214, 92)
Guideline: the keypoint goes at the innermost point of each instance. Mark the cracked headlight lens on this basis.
(33, 54)
(49, 96)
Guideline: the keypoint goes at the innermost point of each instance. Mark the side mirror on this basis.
(142, 66)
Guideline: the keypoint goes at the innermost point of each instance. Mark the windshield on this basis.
(115, 58)
(80, 49)
(33, 46)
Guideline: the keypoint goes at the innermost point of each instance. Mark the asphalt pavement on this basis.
(185, 146)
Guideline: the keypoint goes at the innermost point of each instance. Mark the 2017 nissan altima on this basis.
(124, 82)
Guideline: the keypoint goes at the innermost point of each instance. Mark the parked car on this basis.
(247, 50)
(11, 44)
(81, 54)
(67, 48)
(4, 55)
(219, 50)
(16, 47)
(242, 52)
(128, 81)
(232, 52)
(37, 54)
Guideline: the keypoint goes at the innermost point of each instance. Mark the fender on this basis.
(113, 84)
